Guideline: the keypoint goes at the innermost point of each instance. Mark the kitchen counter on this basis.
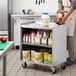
(27, 15)
(3, 54)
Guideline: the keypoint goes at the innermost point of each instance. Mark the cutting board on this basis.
(3, 45)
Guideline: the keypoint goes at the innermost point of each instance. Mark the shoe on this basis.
(70, 62)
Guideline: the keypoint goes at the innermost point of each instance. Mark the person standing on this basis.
(69, 7)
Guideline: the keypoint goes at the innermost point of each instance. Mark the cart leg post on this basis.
(53, 69)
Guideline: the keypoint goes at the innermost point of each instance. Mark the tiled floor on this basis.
(14, 68)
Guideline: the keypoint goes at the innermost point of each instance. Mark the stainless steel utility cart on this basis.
(59, 52)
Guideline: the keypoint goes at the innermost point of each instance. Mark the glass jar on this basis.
(26, 54)
(44, 39)
(38, 38)
(24, 38)
(33, 37)
(45, 56)
(33, 54)
(59, 16)
(38, 56)
(50, 40)
(27, 38)
(45, 19)
(50, 56)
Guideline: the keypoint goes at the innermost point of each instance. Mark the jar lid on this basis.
(34, 32)
(29, 34)
(25, 34)
(44, 13)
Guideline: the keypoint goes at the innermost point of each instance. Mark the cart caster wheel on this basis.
(53, 70)
(63, 66)
(24, 65)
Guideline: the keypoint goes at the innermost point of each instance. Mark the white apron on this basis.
(71, 19)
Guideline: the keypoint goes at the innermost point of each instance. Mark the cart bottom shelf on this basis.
(52, 67)
(39, 63)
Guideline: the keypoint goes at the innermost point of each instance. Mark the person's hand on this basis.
(57, 11)
(63, 20)
(57, 16)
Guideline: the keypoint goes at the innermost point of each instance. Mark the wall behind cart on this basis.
(49, 6)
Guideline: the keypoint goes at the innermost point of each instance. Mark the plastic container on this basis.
(24, 38)
(46, 56)
(59, 16)
(33, 37)
(49, 56)
(33, 54)
(38, 56)
(45, 19)
(50, 40)
(26, 55)
(38, 38)
(27, 38)
(44, 39)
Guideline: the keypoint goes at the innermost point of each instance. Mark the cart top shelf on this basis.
(38, 45)
(36, 26)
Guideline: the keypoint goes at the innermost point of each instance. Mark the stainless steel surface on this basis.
(8, 47)
(40, 45)
(4, 65)
(43, 1)
(10, 11)
(3, 54)
(5, 18)
(3, 15)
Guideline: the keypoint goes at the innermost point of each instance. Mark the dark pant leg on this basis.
(71, 45)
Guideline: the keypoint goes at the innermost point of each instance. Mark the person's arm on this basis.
(72, 8)
(70, 12)
(67, 15)
(59, 7)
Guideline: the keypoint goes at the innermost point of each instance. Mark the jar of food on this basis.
(44, 39)
(33, 37)
(38, 38)
(26, 55)
(38, 56)
(33, 50)
(45, 19)
(27, 38)
(50, 40)
(24, 38)
(59, 16)
(45, 56)
(50, 56)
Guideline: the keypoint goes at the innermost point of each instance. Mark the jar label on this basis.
(45, 57)
(26, 39)
(38, 57)
(32, 39)
(26, 55)
(49, 58)
(33, 55)
(37, 40)
(44, 41)
(49, 42)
